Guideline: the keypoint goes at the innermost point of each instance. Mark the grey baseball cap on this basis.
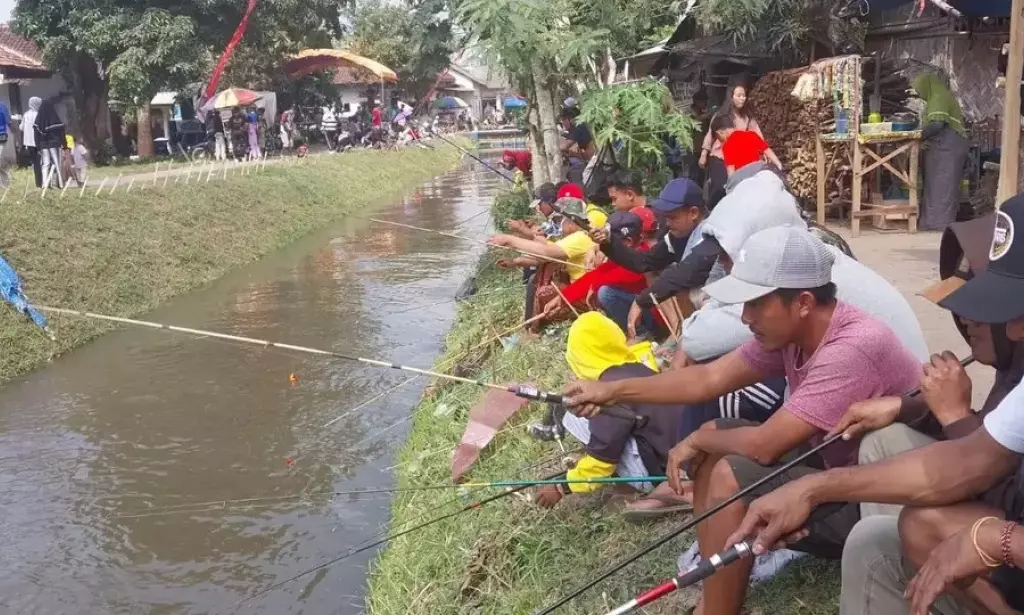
(777, 257)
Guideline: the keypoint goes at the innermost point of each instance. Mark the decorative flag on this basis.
(211, 87)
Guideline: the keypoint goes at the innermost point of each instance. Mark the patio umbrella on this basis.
(311, 60)
(450, 102)
(232, 97)
(514, 102)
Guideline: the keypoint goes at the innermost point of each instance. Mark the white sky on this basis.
(6, 6)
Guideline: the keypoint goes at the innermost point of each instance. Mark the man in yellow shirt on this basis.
(571, 249)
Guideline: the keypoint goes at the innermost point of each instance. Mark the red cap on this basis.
(743, 147)
(646, 216)
(571, 191)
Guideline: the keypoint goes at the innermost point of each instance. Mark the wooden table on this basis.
(901, 159)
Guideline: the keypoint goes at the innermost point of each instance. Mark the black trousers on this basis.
(717, 176)
(37, 168)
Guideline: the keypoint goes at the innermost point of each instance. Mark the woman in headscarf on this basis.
(49, 130)
(945, 152)
(28, 137)
(597, 349)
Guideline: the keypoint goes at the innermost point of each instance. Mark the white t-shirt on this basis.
(1006, 423)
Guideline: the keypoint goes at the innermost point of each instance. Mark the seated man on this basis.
(832, 355)
(569, 252)
(682, 207)
(597, 350)
(626, 191)
(943, 409)
(546, 195)
(957, 486)
(589, 290)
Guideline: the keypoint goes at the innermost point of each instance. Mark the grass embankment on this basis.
(511, 556)
(126, 253)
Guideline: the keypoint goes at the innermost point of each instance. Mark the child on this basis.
(78, 159)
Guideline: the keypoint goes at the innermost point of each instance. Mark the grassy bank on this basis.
(126, 253)
(511, 556)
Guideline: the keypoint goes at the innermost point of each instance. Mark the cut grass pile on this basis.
(126, 253)
(511, 557)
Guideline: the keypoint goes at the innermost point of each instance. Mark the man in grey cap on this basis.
(832, 355)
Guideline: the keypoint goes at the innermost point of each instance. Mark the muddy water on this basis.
(95, 447)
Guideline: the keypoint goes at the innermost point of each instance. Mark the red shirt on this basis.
(520, 159)
(376, 118)
(607, 273)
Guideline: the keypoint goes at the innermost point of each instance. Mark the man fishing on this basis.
(832, 355)
(626, 191)
(681, 204)
(597, 350)
(544, 228)
(961, 529)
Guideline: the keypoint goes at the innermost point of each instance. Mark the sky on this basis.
(6, 6)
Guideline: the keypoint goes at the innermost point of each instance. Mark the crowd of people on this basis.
(745, 340)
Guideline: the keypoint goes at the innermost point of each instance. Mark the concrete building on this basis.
(474, 81)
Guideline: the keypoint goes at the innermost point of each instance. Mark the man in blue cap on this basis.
(681, 206)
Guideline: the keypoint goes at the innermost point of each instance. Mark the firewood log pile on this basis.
(790, 123)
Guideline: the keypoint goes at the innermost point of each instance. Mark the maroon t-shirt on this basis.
(859, 358)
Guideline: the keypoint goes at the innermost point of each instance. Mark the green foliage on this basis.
(637, 116)
(416, 41)
(781, 25)
(511, 205)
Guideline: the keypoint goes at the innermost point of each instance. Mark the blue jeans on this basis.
(616, 303)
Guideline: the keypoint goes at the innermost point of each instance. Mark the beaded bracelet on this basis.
(1004, 543)
(986, 559)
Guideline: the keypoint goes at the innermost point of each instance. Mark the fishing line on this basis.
(468, 507)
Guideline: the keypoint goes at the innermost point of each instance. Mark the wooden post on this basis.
(858, 180)
(819, 149)
(1009, 164)
(913, 172)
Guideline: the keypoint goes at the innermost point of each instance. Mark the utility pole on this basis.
(1009, 164)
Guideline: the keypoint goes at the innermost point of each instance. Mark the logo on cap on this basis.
(1002, 238)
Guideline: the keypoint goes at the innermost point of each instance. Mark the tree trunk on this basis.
(547, 120)
(536, 145)
(90, 94)
(145, 133)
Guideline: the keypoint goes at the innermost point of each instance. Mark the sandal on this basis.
(676, 505)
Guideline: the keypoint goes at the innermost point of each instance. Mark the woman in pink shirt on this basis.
(735, 114)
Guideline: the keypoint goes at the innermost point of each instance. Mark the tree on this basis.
(783, 25)
(414, 40)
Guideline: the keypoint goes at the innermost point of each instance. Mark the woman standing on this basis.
(945, 153)
(28, 136)
(735, 114)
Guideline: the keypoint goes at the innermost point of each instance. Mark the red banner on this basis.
(211, 87)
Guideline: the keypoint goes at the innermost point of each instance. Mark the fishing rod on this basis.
(474, 157)
(390, 537)
(694, 575)
(709, 513)
(472, 239)
(519, 390)
(504, 484)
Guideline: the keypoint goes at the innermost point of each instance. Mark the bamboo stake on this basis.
(130, 184)
(24, 195)
(226, 170)
(4, 197)
(156, 171)
(65, 188)
(46, 183)
(167, 174)
(116, 181)
(81, 192)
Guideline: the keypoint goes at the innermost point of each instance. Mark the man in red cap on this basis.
(521, 160)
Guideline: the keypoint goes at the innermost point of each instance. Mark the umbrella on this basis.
(311, 60)
(514, 102)
(450, 102)
(232, 97)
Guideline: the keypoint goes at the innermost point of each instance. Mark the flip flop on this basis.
(676, 505)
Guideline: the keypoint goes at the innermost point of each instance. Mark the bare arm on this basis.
(536, 248)
(922, 477)
(689, 385)
(772, 158)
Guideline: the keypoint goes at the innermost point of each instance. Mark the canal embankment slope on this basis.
(125, 252)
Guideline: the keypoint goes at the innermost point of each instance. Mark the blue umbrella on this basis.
(11, 292)
(514, 103)
(450, 102)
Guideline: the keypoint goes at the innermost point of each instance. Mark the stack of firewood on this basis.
(790, 126)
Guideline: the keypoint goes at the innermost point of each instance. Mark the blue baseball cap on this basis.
(678, 193)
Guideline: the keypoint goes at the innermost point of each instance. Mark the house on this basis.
(23, 75)
(471, 79)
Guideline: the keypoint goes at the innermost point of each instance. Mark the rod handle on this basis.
(619, 412)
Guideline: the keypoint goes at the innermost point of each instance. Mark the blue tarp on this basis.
(10, 291)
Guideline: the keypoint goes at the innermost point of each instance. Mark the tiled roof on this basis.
(19, 52)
